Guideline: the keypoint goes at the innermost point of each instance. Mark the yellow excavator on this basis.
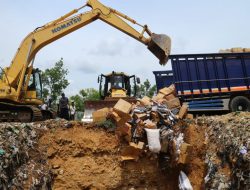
(20, 85)
(112, 87)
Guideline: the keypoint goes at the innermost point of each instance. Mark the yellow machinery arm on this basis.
(22, 64)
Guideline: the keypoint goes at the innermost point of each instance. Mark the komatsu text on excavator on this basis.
(20, 85)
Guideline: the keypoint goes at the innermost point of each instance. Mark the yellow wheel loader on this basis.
(112, 87)
(19, 98)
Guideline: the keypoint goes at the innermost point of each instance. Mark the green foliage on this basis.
(90, 94)
(152, 91)
(78, 102)
(145, 89)
(108, 125)
(54, 80)
(84, 95)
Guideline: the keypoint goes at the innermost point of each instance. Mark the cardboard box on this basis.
(123, 106)
(246, 50)
(100, 115)
(132, 152)
(174, 103)
(237, 50)
(124, 129)
(183, 111)
(141, 116)
(185, 151)
(146, 101)
(190, 116)
(158, 97)
(168, 90)
(170, 97)
(114, 116)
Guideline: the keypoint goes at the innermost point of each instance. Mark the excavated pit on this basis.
(83, 157)
(57, 154)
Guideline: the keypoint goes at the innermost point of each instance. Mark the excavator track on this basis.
(20, 113)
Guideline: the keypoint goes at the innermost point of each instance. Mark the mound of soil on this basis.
(84, 157)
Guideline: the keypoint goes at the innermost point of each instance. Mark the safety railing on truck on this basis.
(200, 74)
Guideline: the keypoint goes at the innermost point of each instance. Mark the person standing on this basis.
(72, 111)
(64, 107)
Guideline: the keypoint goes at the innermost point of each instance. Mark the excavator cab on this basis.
(34, 90)
(117, 85)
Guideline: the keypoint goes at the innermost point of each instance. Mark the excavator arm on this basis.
(22, 63)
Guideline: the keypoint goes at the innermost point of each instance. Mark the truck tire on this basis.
(240, 103)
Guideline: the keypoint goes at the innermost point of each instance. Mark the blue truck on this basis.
(210, 82)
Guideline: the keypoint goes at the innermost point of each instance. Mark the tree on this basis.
(84, 95)
(90, 94)
(79, 103)
(54, 80)
(152, 91)
(145, 89)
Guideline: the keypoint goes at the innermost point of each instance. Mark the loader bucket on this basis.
(160, 46)
(94, 105)
(91, 106)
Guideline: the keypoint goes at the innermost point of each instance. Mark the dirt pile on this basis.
(84, 157)
(57, 154)
(71, 155)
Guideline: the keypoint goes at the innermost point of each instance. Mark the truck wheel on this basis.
(240, 103)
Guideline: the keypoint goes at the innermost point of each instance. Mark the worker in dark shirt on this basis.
(64, 107)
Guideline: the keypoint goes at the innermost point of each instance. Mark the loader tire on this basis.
(240, 103)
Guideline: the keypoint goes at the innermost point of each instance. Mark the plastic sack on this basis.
(153, 136)
(184, 183)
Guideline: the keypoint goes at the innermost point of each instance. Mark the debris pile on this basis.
(151, 126)
(227, 156)
(146, 122)
(22, 165)
(153, 144)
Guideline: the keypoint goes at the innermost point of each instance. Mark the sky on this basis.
(195, 26)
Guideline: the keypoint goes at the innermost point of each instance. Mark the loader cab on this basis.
(117, 84)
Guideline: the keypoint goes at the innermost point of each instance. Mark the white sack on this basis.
(184, 183)
(153, 136)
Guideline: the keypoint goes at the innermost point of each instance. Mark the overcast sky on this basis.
(195, 26)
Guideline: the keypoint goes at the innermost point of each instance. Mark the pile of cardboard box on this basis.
(161, 113)
(235, 50)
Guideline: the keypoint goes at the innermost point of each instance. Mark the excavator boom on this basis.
(14, 84)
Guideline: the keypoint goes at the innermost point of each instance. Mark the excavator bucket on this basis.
(160, 46)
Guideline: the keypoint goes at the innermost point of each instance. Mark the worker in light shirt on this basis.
(72, 111)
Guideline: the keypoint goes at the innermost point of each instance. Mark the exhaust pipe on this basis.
(160, 46)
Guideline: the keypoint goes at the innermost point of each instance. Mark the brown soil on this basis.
(196, 168)
(89, 158)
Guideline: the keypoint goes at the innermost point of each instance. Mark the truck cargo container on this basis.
(210, 81)
(163, 78)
